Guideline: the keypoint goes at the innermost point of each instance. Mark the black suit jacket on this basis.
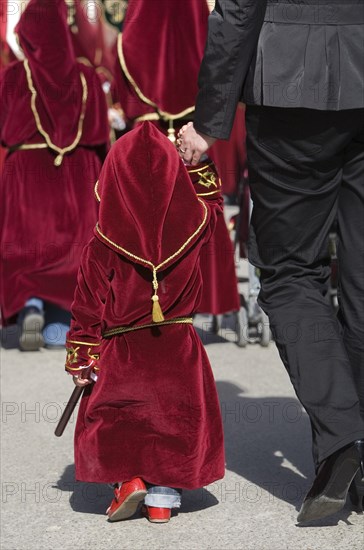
(292, 53)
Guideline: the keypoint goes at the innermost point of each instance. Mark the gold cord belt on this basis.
(122, 330)
(28, 146)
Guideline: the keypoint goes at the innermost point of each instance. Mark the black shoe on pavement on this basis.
(331, 485)
(31, 322)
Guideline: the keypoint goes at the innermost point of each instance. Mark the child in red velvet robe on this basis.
(152, 421)
(156, 79)
(53, 121)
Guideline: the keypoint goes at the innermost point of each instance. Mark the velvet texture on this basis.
(162, 45)
(47, 212)
(45, 39)
(145, 184)
(230, 156)
(220, 285)
(165, 71)
(89, 41)
(153, 411)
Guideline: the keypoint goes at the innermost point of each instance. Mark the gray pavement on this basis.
(268, 466)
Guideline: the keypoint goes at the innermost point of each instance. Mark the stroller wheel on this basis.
(265, 331)
(242, 327)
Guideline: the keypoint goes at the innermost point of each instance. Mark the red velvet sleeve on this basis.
(84, 337)
(207, 184)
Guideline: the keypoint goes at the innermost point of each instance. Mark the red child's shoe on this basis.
(127, 498)
(156, 515)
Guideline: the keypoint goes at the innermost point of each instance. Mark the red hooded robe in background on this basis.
(159, 55)
(153, 412)
(93, 41)
(54, 123)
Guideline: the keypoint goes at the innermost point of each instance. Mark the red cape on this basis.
(155, 49)
(144, 191)
(45, 38)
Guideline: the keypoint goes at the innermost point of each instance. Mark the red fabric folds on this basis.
(45, 39)
(220, 285)
(48, 212)
(144, 190)
(159, 58)
(92, 42)
(154, 411)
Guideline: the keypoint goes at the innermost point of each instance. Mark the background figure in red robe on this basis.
(54, 124)
(159, 55)
(153, 412)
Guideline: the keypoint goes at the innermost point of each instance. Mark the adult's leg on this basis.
(295, 172)
(351, 257)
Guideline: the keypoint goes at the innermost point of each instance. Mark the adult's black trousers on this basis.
(306, 171)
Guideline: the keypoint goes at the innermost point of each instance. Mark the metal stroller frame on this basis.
(252, 323)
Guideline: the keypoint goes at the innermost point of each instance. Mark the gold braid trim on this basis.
(60, 150)
(148, 116)
(81, 343)
(84, 61)
(122, 330)
(217, 192)
(28, 146)
(157, 313)
(193, 171)
(162, 264)
(96, 190)
(162, 114)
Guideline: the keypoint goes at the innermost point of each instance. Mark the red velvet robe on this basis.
(47, 211)
(159, 78)
(220, 284)
(154, 411)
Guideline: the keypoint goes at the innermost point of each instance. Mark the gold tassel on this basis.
(58, 160)
(157, 313)
(171, 132)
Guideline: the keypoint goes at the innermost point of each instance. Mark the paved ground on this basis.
(268, 466)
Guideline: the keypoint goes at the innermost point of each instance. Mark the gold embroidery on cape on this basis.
(94, 356)
(162, 114)
(72, 356)
(207, 179)
(60, 150)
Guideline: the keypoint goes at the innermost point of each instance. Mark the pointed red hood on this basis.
(149, 211)
(160, 51)
(45, 38)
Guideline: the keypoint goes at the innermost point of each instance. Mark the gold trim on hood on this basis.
(157, 314)
(162, 114)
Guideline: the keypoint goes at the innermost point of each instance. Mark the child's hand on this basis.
(80, 382)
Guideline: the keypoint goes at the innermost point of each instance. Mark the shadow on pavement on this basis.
(94, 498)
(268, 443)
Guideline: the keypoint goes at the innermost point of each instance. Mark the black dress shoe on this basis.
(330, 488)
(31, 322)
(356, 493)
